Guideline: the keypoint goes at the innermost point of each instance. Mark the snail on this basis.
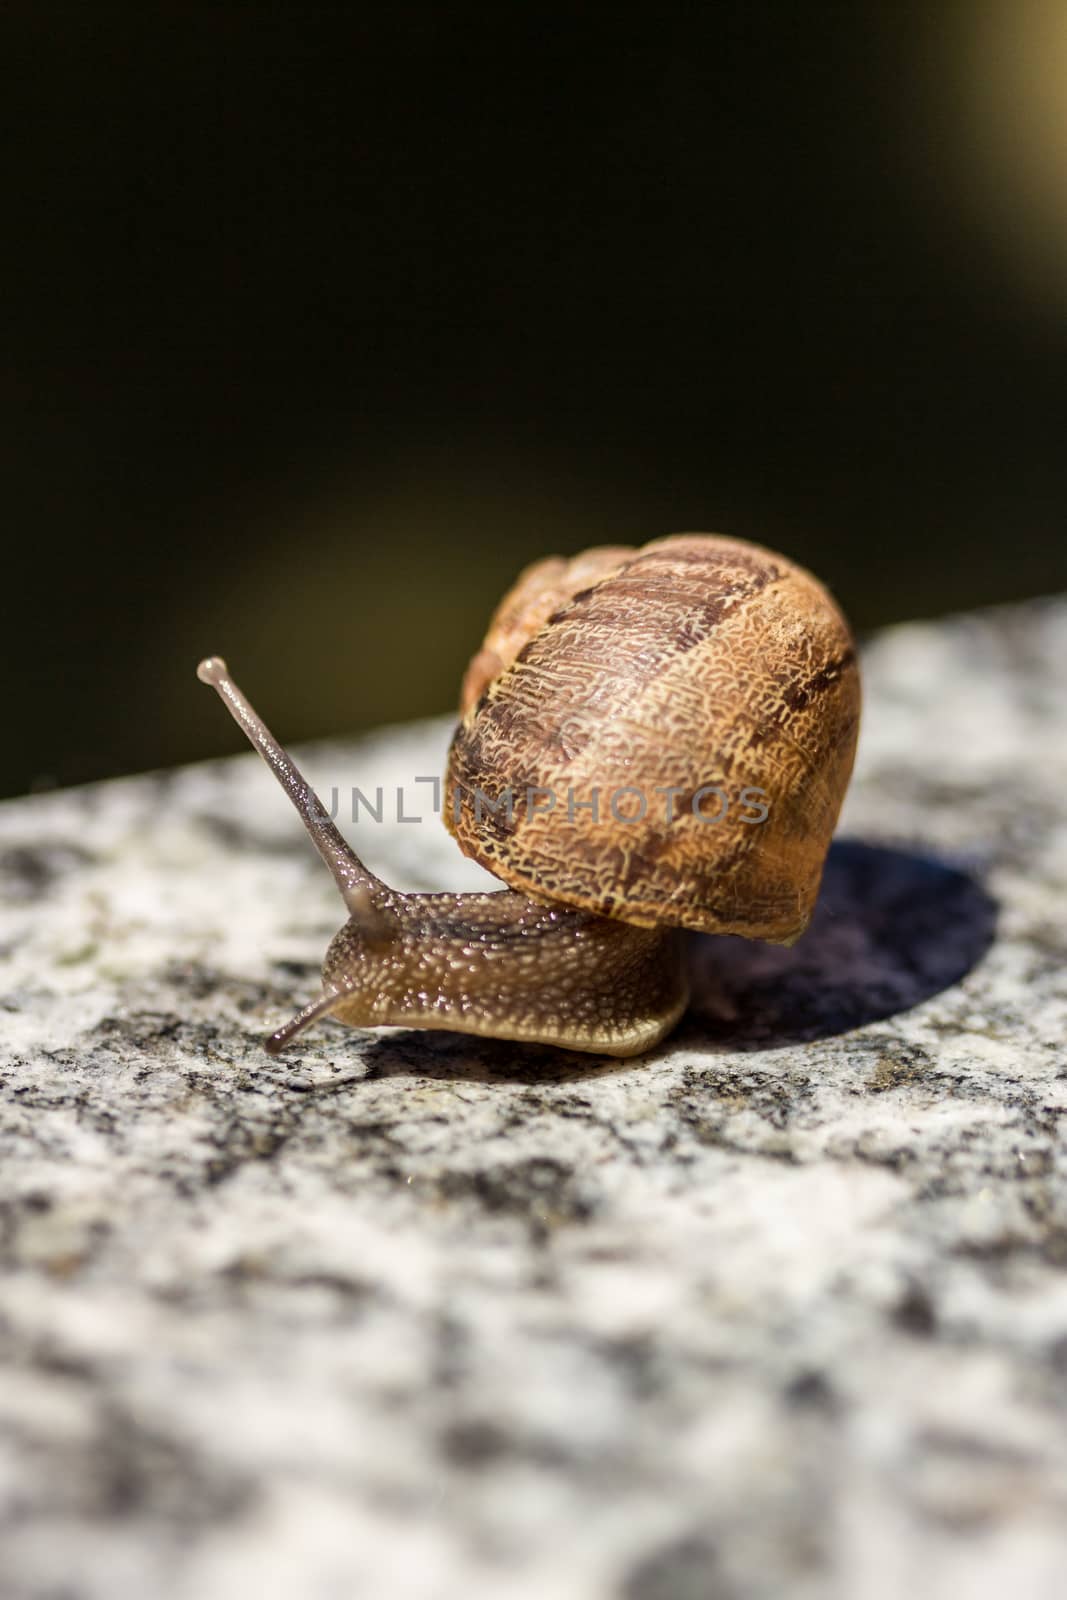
(651, 740)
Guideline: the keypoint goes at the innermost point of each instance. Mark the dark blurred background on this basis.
(322, 321)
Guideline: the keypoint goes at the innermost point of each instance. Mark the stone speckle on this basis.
(779, 1310)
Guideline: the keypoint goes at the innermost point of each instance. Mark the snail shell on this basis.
(626, 685)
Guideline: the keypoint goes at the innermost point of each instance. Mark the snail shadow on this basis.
(892, 928)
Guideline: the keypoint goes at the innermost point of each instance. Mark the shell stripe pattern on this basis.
(697, 662)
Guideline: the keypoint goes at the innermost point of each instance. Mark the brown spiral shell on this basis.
(654, 685)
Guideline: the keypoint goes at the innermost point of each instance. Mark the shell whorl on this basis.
(694, 663)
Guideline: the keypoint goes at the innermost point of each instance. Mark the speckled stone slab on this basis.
(780, 1310)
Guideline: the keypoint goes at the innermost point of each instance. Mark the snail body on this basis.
(618, 700)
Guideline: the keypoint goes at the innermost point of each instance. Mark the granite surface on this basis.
(779, 1310)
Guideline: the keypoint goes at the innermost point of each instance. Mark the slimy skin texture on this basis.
(503, 966)
(695, 661)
